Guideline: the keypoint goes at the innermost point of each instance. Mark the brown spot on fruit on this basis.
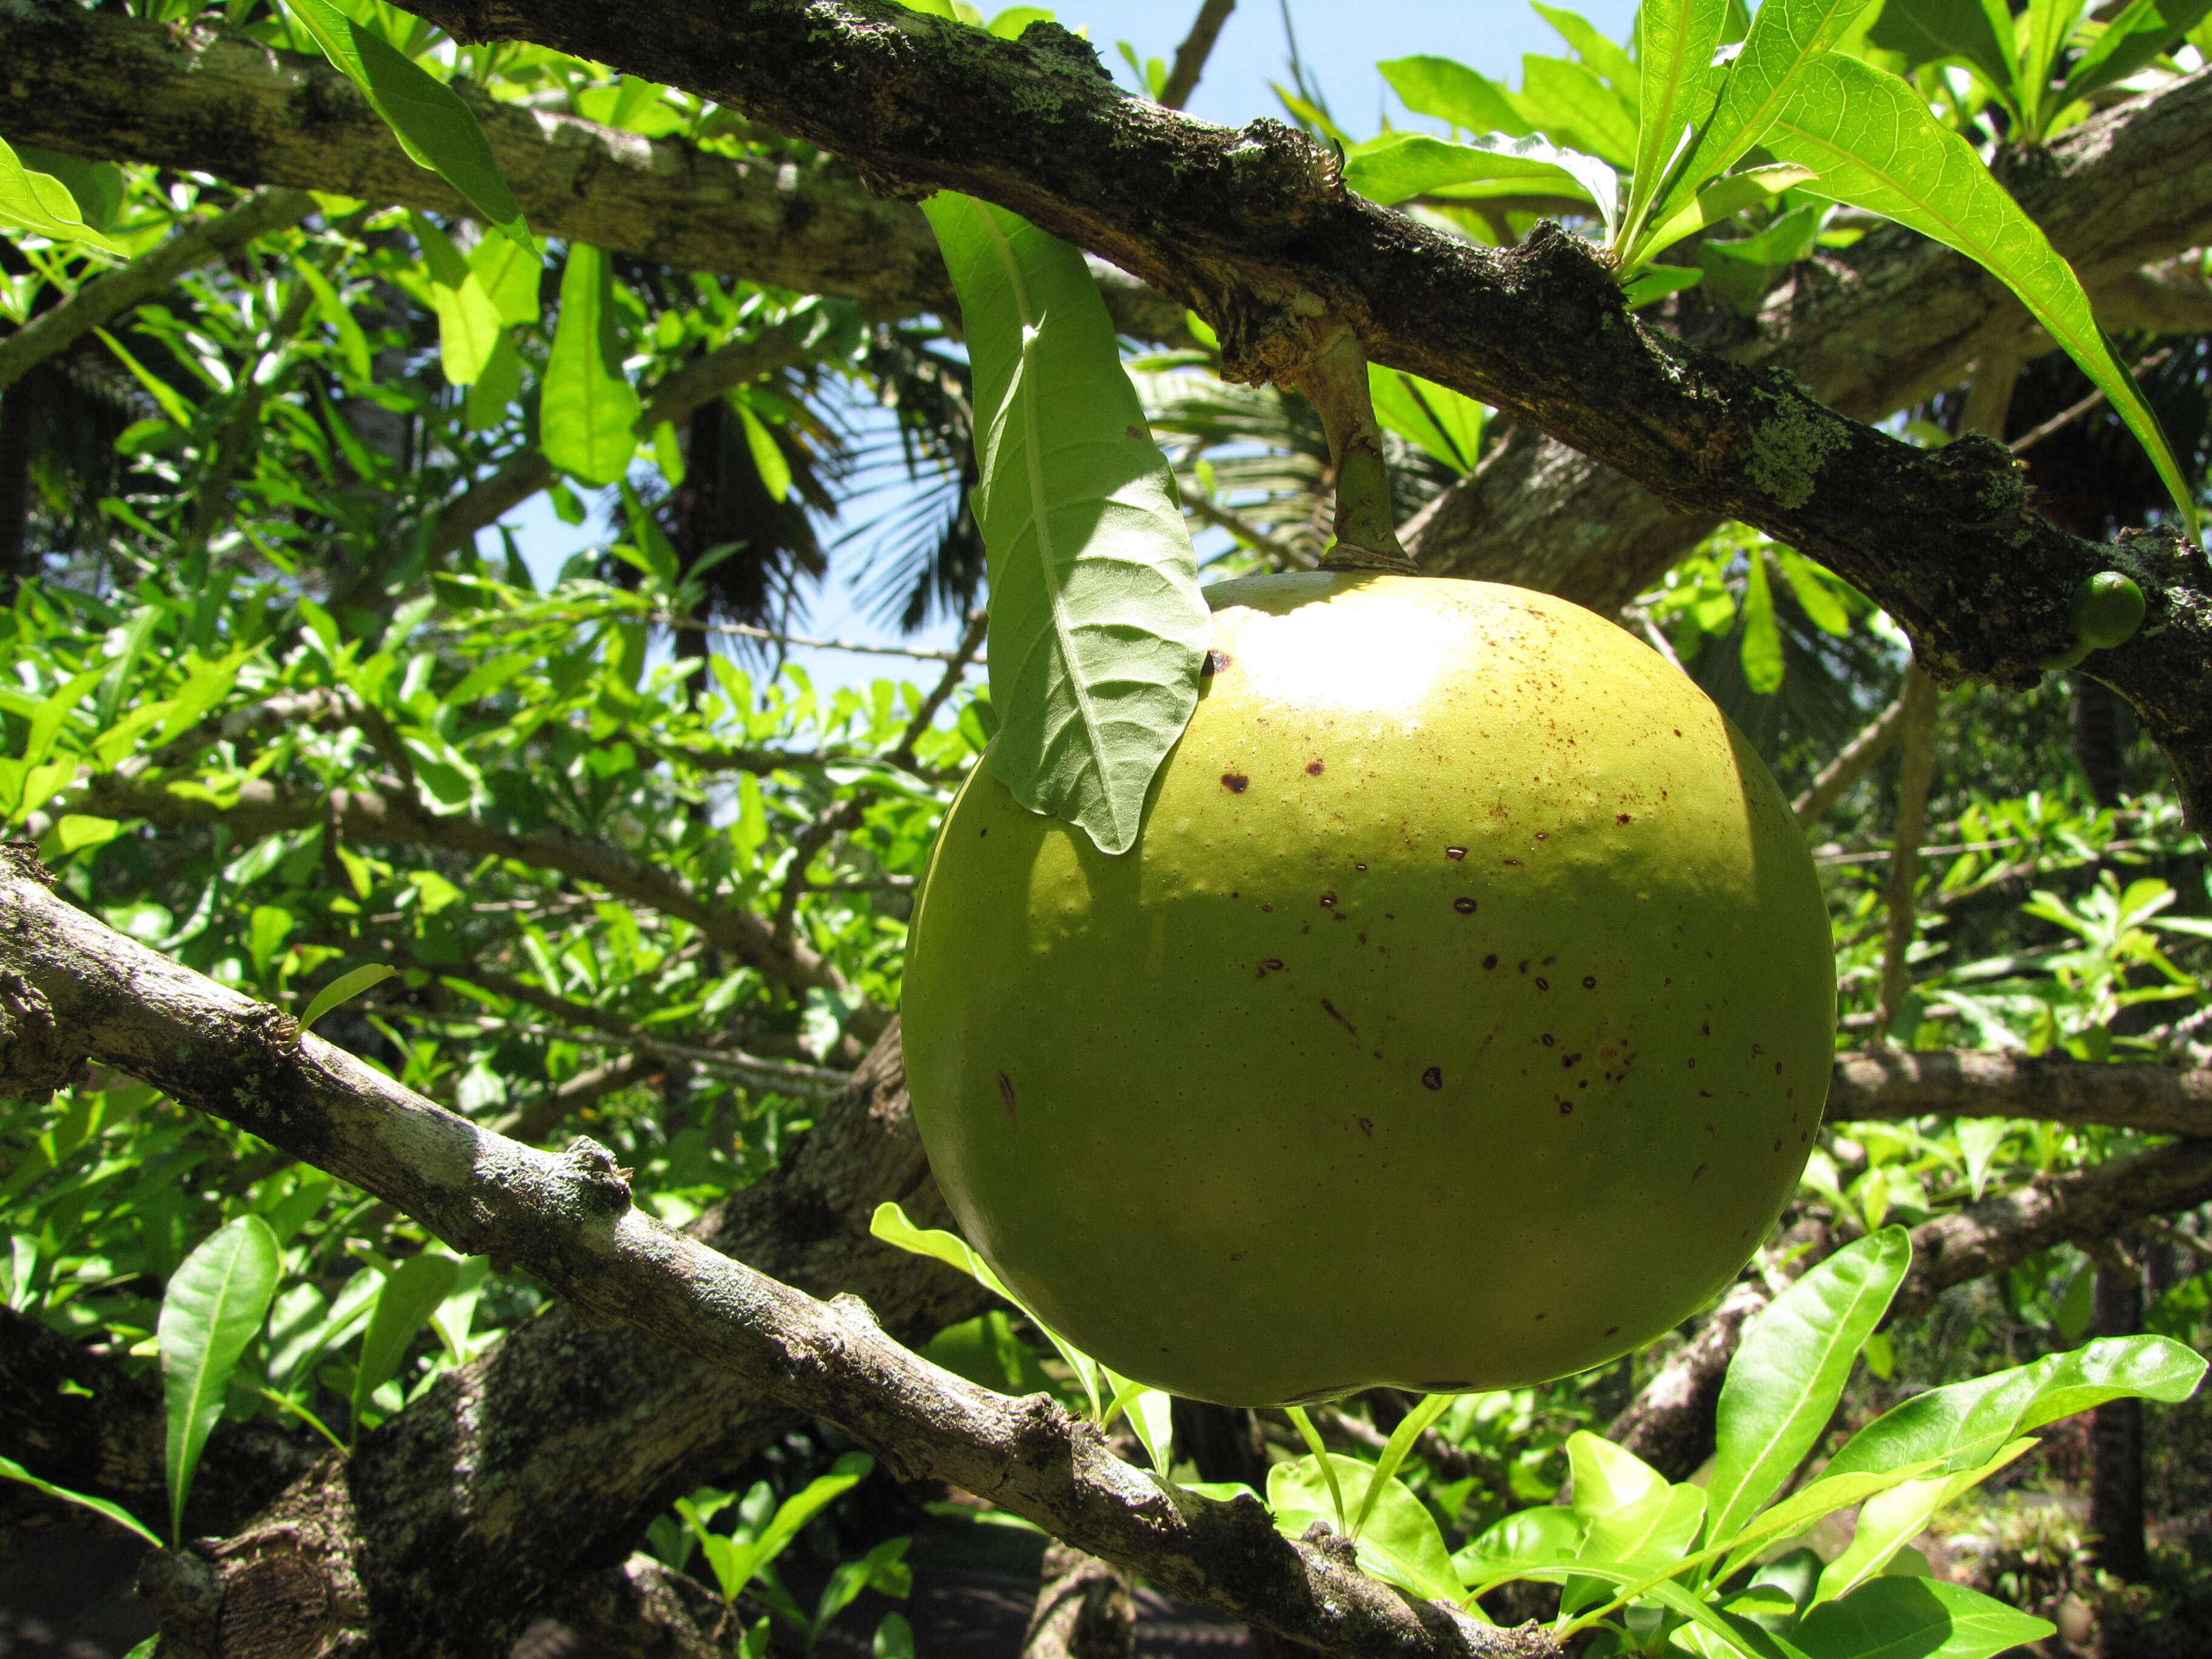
(1589, 982)
(1516, 863)
(1328, 900)
(1695, 1173)
(1612, 1330)
(1367, 1128)
(1313, 768)
(1274, 964)
(1490, 961)
(1329, 1008)
(1464, 905)
(1455, 853)
(1433, 1077)
(1543, 984)
(1548, 1040)
(1006, 1092)
(1619, 817)
(1540, 1316)
(1235, 782)
(1215, 662)
(1236, 1256)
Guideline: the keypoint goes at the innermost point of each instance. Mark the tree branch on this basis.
(1873, 329)
(1255, 230)
(1670, 1423)
(1892, 1086)
(263, 809)
(1852, 763)
(570, 1220)
(1190, 56)
(196, 243)
(108, 86)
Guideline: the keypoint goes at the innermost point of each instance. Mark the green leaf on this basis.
(1567, 101)
(1761, 649)
(412, 1293)
(1452, 92)
(1098, 629)
(1544, 1537)
(510, 276)
(1447, 424)
(468, 321)
(1607, 1477)
(496, 387)
(1658, 282)
(115, 1512)
(1966, 1422)
(1721, 200)
(353, 344)
(1889, 1521)
(77, 830)
(1787, 38)
(1675, 40)
(768, 458)
(1915, 1619)
(1816, 593)
(1789, 1371)
(2145, 30)
(1395, 1451)
(1592, 46)
(1649, 1534)
(1800, 1510)
(433, 125)
(1932, 31)
(1875, 145)
(587, 418)
(1401, 1543)
(1400, 165)
(212, 1309)
(346, 986)
(40, 202)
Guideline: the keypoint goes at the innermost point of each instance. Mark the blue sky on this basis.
(1340, 42)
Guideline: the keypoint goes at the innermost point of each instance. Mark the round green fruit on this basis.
(1462, 1018)
(2108, 609)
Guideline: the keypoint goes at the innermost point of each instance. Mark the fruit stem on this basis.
(1335, 381)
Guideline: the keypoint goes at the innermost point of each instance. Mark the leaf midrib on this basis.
(1033, 468)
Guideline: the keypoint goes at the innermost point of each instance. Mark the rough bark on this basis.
(79, 1420)
(194, 96)
(1893, 1086)
(359, 1582)
(1084, 1610)
(1872, 329)
(1255, 230)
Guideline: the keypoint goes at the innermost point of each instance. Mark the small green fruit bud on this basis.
(2108, 609)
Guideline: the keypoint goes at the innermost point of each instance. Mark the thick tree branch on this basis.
(1873, 329)
(1895, 1084)
(1256, 229)
(107, 87)
(570, 1220)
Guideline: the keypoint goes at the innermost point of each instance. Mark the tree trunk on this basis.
(2115, 1481)
(17, 417)
(1084, 1609)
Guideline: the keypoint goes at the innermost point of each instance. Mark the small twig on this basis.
(2075, 411)
(1190, 56)
(837, 817)
(1855, 760)
(1334, 380)
(1212, 512)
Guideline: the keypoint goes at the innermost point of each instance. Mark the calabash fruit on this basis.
(1462, 1018)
